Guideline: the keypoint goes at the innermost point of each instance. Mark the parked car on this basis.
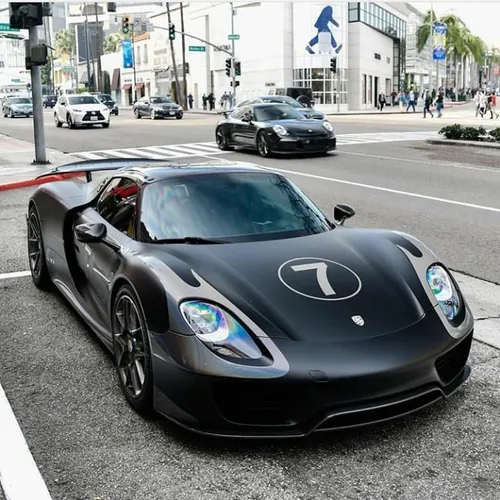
(157, 107)
(49, 101)
(17, 106)
(108, 101)
(81, 110)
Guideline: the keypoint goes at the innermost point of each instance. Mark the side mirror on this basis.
(343, 212)
(90, 233)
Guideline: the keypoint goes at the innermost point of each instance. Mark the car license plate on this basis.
(93, 118)
(171, 113)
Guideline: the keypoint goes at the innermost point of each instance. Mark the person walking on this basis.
(493, 105)
(411, 101)
(439, 105)
(190, 101)
(381, 101)
(427, 105)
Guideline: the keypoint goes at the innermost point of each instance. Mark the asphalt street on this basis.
(89, 444)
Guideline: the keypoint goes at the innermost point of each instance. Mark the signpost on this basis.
(197, 48)
(233, 37)
(6, 27)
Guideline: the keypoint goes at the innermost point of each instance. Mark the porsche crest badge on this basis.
(358, 320)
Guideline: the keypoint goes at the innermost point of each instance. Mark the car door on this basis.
(248, 128)
(116, 208)
(61, 109)
(236, 126)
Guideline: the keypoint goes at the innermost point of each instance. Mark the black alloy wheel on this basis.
(263, 145)
(137, 114)
(221, 139)
(36, 251)
(131, 350)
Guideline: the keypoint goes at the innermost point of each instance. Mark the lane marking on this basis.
(19, 474)
(90, 156)
(425, 162)
(18, 274)
(386, 190)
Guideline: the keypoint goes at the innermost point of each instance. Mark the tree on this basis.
(112, 43)
(65, 43)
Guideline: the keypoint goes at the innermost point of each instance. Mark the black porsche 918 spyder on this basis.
(274, 128)
(234, 307)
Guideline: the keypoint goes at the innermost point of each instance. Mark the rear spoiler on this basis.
(89, 166)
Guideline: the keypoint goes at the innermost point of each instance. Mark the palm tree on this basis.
(111, 43)
(65, 43)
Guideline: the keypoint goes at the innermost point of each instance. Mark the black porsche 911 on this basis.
(234, 307)
(274, 128)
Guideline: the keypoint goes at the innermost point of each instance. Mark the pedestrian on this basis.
(211, 101)
(494, 104)
(190, 100)
(411, 101)
(204, 99)
(381, 101)
(427, 105)
(439, 105)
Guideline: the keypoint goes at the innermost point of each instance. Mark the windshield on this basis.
(278, 112)
(229, 206)
(160, 100)
(82, 99)
(285, 100)
(105, 98)
(20, 100)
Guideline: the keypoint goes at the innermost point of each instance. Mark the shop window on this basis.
(363, 90)
(145, 58)
(318, 86)
(318, 74)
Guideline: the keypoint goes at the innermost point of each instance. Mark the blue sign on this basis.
(439, 41)
(128, 54)
(324, 39)
(439, 54)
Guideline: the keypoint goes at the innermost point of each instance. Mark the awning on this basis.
(115, 82)
(139, 85)
(127, 86)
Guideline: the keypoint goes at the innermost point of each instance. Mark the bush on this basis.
(452, 131)
(473, 133)
(495, 134)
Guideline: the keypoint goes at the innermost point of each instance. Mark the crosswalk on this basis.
(203, 149)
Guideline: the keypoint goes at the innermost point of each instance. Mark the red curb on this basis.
(36, 182)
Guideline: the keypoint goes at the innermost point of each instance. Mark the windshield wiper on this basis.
(192, 240)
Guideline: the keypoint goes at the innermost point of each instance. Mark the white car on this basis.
(80, 110)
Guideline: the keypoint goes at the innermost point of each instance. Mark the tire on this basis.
(105, 125)
(56, 120)
(263, 146)
(221, 140)
(179, 117)
(69, 121)
(11, 114)
(136, 113)
(132, 354)
(152, 115)
(36, 251)
(116, 114)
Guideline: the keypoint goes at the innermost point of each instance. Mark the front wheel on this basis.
(105, 125)
(136, 113)
(56, 120)
(221, 139)
(131, 351)
(36, 251)
(263, 145)
(179, 117)
(152, 115)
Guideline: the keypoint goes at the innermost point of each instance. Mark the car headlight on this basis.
(280, 130)
(219, 330)
(328, 126)
(444, 290)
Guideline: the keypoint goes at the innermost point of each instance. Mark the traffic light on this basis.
(228, 66)
(333, 64)
(237, 68)
(125, 24)
(24, 15)
(236, 83)
(171, 31)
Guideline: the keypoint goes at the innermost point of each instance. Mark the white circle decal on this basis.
(319, 279)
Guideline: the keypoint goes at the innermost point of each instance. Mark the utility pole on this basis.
(36, 89)
(184, 81)
(233, 66)
(87, 45)
(98, 81)
(133, 63)
(176, 76)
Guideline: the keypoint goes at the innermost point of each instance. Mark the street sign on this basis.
(233, 37)
(197, 48)
(6, 27)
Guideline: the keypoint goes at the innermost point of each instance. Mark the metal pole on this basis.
(338, 88)
(184, 81)
(87, 46)
(233, 69)
(36, 89)
(98, 81)
(133, 65)
(177, 88)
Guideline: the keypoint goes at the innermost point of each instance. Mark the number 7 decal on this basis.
(321, 270)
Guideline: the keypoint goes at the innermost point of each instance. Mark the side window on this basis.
(240, 113)
(117, 204)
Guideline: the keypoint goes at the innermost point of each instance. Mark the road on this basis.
(89, 444)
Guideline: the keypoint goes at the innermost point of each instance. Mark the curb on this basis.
(36, 182)
(454, 142)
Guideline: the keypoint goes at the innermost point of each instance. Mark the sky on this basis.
(481, 17)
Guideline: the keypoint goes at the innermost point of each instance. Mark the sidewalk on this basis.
(16, 159)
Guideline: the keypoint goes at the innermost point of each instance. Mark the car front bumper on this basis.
(327, 386)
(22, 112)
(89, 119)
(165, 113)
(303, 145)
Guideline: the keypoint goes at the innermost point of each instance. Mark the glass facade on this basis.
(327, 87)
(390, 25)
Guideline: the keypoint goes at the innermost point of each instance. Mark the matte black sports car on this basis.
(234, 306)
(274, 128)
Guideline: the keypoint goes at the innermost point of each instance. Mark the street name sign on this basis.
(197, 48)
(233, 37)
(6, 27)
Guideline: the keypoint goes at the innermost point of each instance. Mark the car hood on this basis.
(350, 284)
(87, 107)
(308, 112)
(22, 106)
(299, 126)
(165, 105)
